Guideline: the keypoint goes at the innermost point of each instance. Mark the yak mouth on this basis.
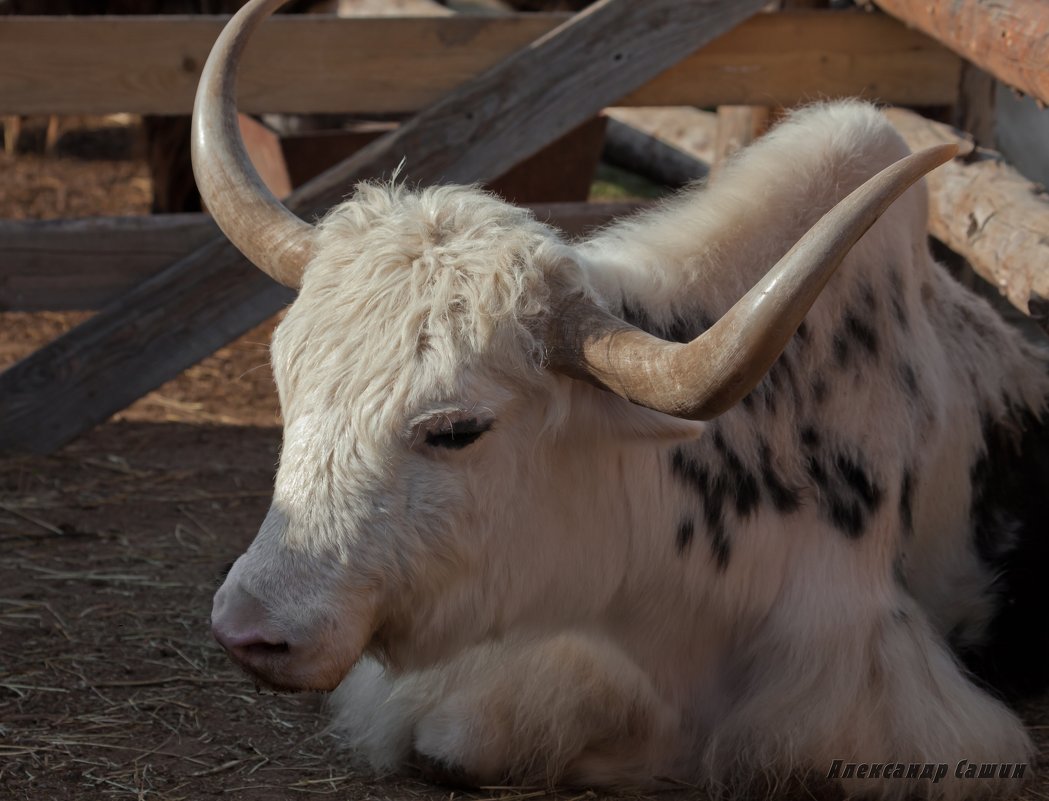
(280, 670)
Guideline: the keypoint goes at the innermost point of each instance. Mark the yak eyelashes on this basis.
(456, 434)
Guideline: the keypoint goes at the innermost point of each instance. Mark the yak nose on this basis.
(240, 624)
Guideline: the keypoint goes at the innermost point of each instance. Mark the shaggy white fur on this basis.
(598, 594)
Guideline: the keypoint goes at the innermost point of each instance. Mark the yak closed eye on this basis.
(457, 434)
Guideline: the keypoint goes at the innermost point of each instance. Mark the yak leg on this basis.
(566, 709)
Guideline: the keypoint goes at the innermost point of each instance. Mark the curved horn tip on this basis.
(259, 225)
(704, 378)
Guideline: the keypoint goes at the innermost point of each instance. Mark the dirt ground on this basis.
(110, 685)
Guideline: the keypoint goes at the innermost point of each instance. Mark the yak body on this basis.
(582, 591)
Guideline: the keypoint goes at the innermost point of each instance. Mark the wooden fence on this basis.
(486, 93)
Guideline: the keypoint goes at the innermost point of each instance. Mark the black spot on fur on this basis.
(747, 495)
(899, 307)
(699, 478)
(868, 296)
(1010, 514)
(846, 515)
(847, 494)
(909, 380)
(861, 333)
(724, 485)
(817, 472)
(803, 332)
(719, 548)
(739, 483)
(686, 530)
(717, 439)
(784, 498)
(860, 482)
(713, 505)
(810, 437)
(906, 503)
(841, 350)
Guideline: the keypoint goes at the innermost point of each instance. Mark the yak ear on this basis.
(624, 420)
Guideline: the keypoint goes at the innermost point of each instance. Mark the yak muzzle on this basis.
(275, 655)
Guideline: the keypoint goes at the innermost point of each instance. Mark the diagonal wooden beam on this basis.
(1008, 38)
(478, 131)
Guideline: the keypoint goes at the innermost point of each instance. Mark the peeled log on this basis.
(984, 210)
(1008, 38)
(673, 145)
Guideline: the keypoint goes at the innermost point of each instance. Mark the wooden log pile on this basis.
(984, 210)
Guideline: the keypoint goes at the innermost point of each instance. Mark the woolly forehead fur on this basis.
(406, 290)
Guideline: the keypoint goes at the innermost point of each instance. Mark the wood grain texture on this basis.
(84, 264)
(1008, 38)
(480, 130)
(62, 265)
(737, 127)
(791, 57)
(984, 210)
(81, 64)
(560, 172)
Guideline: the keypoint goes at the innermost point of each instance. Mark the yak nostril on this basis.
(248, 641)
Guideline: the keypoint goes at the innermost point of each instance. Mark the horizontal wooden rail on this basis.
(57, 265)
(98, 65)
(1008, 38)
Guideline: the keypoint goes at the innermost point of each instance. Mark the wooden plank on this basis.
(85, 264)
(480, 130)
(737, 127)
(80, 64)
(310, 153)
(63, 265)
(984, 210)
(560, 172)
(1007, 38)
(792, 57)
